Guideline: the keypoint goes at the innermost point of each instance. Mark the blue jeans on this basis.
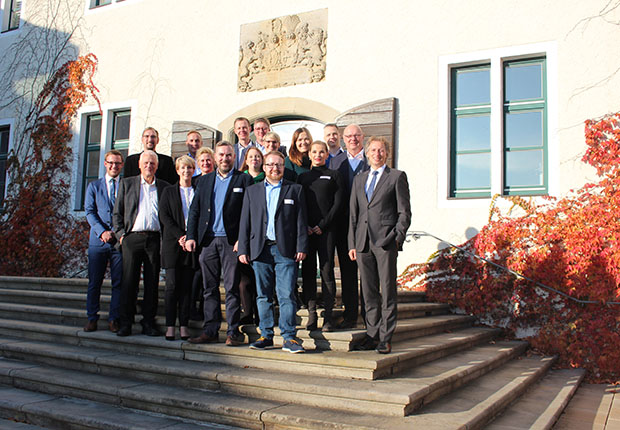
(271, 267)
(98, 257)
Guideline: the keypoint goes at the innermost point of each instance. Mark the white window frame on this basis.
(11, 123)
(89, 9)
(79, 149)
(5, 16)
(496, 57)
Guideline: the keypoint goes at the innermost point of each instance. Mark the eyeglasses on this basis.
(274, 165)
(114, 163)
(349, 136)
(271, 141)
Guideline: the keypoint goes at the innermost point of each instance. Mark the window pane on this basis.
(523, 81)
(124, 152)
(473, 86)
(94, 129)
(121, 125)
(473, 171)
(4, 140)
(524, 129)
(524, 168)
(473, 133)
(92, 168)
(15, 11)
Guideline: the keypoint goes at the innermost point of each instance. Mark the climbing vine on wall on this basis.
(571, 244)
(39, 236)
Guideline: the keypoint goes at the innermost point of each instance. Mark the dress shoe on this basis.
(124, 331)
(113, 326)
(149, 330)
(184, 333)
(235, 339)
(91, 325)
(366, 344)
(203, 338)
(347, 325)
(384, 348)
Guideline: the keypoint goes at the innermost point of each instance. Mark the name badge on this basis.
(325, 177)
(289, 201)
(237, 190)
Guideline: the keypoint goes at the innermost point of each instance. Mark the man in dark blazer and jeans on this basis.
(213, 224)
(136, 225)
(380, 215)
(273, 236)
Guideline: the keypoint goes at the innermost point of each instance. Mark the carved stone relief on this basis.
(283, 51)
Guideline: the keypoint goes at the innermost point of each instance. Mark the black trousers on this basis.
(247, 291)
(140, 250)
(348, 277)
(322, 245)
(178, 292)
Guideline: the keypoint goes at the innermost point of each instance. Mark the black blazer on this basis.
(127, 202)
(165, 168)
(173, 228)
(341, 163)
(290, 221)
(200, 211)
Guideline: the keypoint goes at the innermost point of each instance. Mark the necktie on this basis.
(371, 187)
(112, 191)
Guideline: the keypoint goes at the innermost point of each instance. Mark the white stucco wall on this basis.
(178, 61)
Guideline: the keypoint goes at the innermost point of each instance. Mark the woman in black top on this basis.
(323, 189)
(179, 264)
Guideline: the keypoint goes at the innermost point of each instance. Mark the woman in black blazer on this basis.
(179, 264)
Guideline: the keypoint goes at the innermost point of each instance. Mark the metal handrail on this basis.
(418, 234)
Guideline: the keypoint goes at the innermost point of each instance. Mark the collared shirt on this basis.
(272, 193)
(330, 156)
(107, 185)
(240, 153)
(197, 171)
(370, 175)
(187, 195)
(261, 147)
(217, 203)
(355, 160)
(148, 208)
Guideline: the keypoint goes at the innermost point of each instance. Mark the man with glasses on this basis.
(350, 163)
(99, 207)
(165, 170)
(273, 237)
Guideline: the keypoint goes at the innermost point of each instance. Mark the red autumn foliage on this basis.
(38, 234)
(571, 244)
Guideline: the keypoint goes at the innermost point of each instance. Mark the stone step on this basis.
(11, 424)
(471, 406)
(542, 405)
(80, 285)
(396, 396)
(361, 365)
(59, 412)
(338, 340)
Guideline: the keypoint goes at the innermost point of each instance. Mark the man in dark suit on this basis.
(213, 223)
(136, 225)
(350, 164)
(273, 236)
(100, 198)
(165, 169)
(380, 215)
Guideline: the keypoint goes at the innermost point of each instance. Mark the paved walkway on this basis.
(595, 407)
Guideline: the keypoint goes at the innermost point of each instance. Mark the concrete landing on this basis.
(594, 407)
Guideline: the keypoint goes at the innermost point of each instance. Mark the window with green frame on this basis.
(524, 119)
(525, 128)
(5, 131)
(92, 153)
(120, 131)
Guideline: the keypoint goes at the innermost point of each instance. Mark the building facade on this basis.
(478, 97)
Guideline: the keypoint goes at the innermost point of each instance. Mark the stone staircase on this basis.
(444, 372)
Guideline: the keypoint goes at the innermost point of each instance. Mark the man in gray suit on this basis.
(380, 215)
(136, 225)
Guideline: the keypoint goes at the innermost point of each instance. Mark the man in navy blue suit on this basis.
(273, 237)
(100, 198)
